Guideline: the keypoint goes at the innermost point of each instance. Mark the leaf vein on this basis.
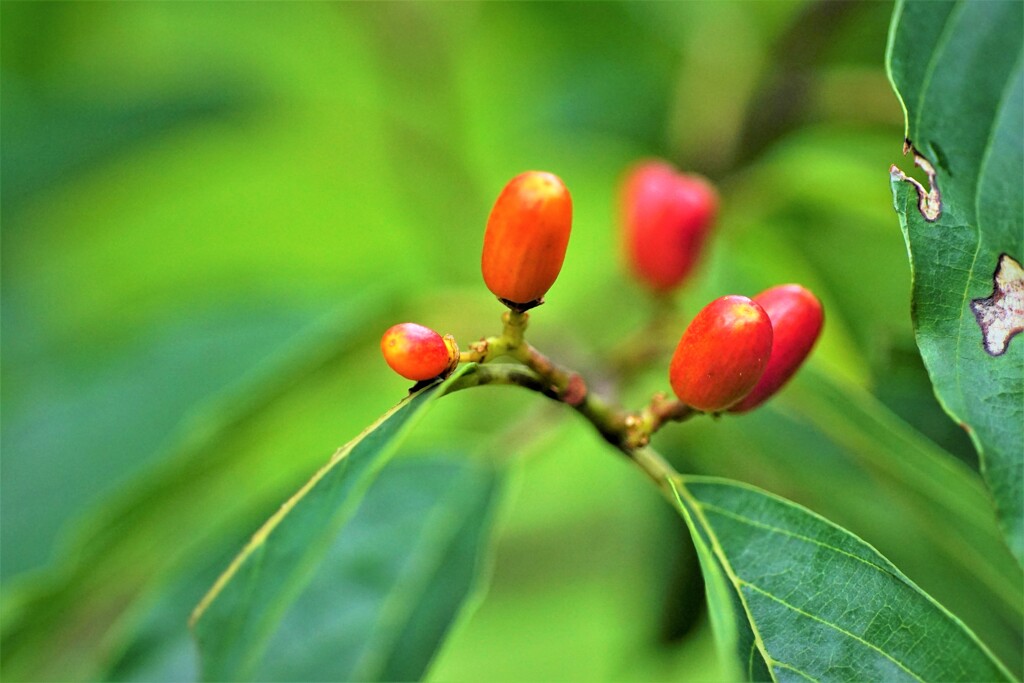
(835, 627)
(681, 491)
(799, 672)
(784, 532)
(940, 46)
(982, 172)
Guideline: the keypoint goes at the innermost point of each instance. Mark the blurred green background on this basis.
(211, 211)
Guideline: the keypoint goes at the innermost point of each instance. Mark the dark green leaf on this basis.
(241, 617)
(118, 415)
(394, 579)
(734, 638)
(831, 446)
(957, 70)
(821, 603)
(381, 601)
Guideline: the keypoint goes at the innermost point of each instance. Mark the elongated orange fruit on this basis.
(526, 238)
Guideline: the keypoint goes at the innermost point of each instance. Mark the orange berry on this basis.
(417, 352)
(797, 318)
(722, 354)
(526, 238)
(666, 218)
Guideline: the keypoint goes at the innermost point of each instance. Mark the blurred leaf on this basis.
(380, 601)
(389, 590)
(49, 141)
(158, 646)
(824, 605)
(580, 570)
(957, 70)
(268, 431)
(118, 413)
(239, 620)
(903, 385)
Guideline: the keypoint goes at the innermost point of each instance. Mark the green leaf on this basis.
(392, 584)
(831, 446)
(380, 602)
(821, 603)
(271, 589)
(957, 70)
(734, 638)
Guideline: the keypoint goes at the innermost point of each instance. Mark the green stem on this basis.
(658, 469)
(629, 432)
(614, 424)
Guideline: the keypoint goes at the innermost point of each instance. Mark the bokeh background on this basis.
(211, 211)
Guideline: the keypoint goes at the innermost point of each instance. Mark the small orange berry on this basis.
(722, 354)
(417, 352)
(526, 238)
(797, 318)
(666, 218)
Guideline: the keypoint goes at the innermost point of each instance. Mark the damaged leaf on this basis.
(929, 202)
(956, 68)
(1001, 316)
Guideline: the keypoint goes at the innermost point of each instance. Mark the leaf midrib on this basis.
(982, 172)
(679, 487)
(835, 627)
(785, 532)
(940, 47)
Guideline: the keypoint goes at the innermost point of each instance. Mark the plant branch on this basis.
(628, 432)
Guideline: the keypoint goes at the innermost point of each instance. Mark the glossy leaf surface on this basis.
(820, 603)
(956, 67)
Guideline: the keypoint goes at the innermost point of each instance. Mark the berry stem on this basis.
(566, 385)
(653, 417)
(628, 431)
(618, 427)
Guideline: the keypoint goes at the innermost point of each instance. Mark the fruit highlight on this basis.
(417, 352)
(722, 354)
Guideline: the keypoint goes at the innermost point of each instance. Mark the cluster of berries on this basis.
(734, 355)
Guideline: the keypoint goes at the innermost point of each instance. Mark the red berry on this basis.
(527, 235)
(722, 354)
(666, 217)
(796, 317)
(417, 352)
